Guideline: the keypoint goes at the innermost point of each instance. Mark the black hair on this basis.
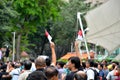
(48, 61)
(101, 65)
(4, 66)
(12, 64)
(117, 63)
(76, 61)
(91, 62)
(32, 59)
(50, 71)
(61, 63)
(113, 66)
(83, 65)
(27, 65)
(79, 77)
(105, 65)
(95, 65)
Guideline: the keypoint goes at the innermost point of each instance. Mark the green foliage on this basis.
(65, 61)
(6, 14)
(67, 26)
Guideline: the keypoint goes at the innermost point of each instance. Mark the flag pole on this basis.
(13, 46)
(81, 26)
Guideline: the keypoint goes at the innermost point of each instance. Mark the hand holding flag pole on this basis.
(48, 36)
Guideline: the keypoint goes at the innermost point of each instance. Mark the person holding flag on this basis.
(80, 35)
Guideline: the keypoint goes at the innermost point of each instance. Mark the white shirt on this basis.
(90, 74)
(15, 74)
(24, 75)
(33, 68)
(111, 76)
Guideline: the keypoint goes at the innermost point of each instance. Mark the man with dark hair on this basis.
(33, 68)
(27, 66)
(51, 72)
(105, 70)
(101, 73)
(96, 67)
(73, 65)
(60, 68)
(90, 73)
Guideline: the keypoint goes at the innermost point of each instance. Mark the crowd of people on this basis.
(46, 68)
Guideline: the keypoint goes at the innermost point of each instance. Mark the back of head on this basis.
(32, 60)
(91, 62)
(40, 62)
(80, 75)
(61, 63)
(51, 71)
(48, 61)
(76, 61)
(36, 75)
(12, 65)
(27, 65)
(95, 65)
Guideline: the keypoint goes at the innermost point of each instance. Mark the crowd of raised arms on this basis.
(46, 68)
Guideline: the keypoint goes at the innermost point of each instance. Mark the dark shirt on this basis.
(41, 69)
(70, 76)
(37, 75)
(101, 74)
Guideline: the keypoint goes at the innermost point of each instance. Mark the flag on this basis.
(80, 37)
(48, 36)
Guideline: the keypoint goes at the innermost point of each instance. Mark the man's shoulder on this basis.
(70, 75)
(90, 70)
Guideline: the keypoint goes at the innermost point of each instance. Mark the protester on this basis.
(111, 75)
(37, 75)
(33, 68)
(90, 73)
(12, 71)
(60, 68)
(96, 66)
(105, 70)
(27, 66)
(51, 72)
(101, 73)
(73, 65)
(40, 64)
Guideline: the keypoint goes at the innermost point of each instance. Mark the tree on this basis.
(33, 14)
